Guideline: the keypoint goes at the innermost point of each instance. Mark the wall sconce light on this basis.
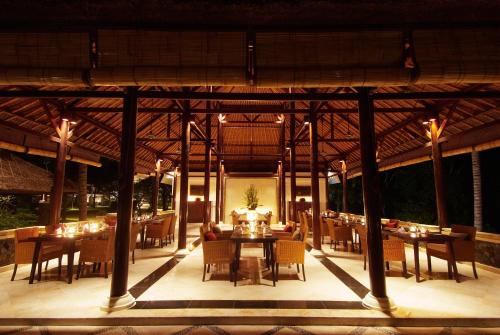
(307, 120)
(222, 118)
(68, 116)
(192, 119)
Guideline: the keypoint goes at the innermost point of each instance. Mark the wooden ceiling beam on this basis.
(256, 109)
(219, 96)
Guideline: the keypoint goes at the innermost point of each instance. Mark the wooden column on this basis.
(183, 202)
(313, 142)
(82, 192)
(208, 160)
(437, 163)
(327, 191)
(345, 206)
(119, 297)
(56, 195)
(218, 176)
(163, 189)
(174, 191)
(217, 193)
(283, 174)
(476, 180)
(280, 205)
(293, 180)
(377, 298)
(156, 189)
(222, 186)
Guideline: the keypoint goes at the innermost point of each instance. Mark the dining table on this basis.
(67, 240)
(415, 238)
(267, 240)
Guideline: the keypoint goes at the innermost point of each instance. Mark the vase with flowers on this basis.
(251, 199)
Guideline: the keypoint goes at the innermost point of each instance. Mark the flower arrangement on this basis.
(251, 199)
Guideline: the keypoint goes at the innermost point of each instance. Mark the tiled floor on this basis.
(169, 291)
(247, 330)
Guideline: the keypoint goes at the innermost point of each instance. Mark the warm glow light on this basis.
(222, 118)
(94, 227)
(425, 122)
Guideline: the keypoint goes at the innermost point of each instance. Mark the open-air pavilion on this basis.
(216, 108)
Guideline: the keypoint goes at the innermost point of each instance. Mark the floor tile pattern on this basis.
(244, 330)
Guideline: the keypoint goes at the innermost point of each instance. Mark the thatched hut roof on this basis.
(18, 176)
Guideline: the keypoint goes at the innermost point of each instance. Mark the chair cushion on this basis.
(288, 229)
(297, 235)
(392, 224)
(210, 236)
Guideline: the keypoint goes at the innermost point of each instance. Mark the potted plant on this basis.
(251, 199)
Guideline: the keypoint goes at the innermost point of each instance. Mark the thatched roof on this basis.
(323, 46)
(18, 176)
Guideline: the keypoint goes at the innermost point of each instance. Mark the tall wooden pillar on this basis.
(217, 192)
(313, 142)
(218, 175)
(163, 188)
(437, 163)
(156, 189)
(82, 192)
(476, 180)
(293, 180)
(119, 296)
(208, 161)
(183, 202)
(283, 174)
(377, 298)
(222, 187)
(327, 190)
(56, 196)
(280, 195)
(345, 207)
(174, 191)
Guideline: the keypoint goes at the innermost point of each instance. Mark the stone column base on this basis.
(113, 304)
(379, 304)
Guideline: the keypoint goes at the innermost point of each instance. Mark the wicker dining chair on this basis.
(171, 228)
(291, 252)
(97, 251)
(338, 234)
(307, 220)
(159, 231)
(324, 229)
(134, 232)
(464, 248)
(216, 252)
(393, 249)
(23, 251)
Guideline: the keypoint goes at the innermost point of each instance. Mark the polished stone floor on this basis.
(247, 330)
(168, 287)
